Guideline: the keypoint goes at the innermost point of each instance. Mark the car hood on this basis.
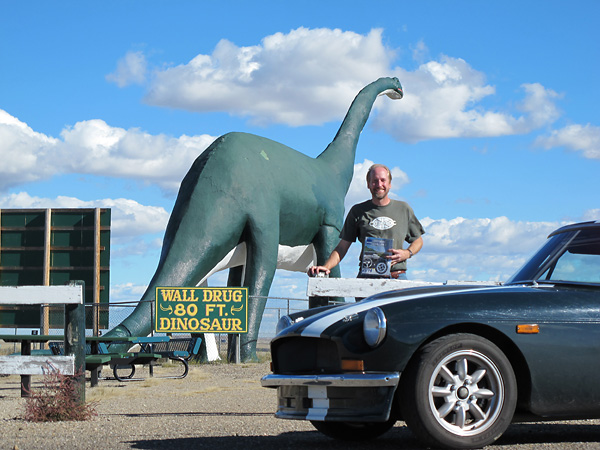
(483, 301)
(313, 325)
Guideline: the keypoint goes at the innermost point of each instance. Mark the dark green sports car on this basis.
(458, 364)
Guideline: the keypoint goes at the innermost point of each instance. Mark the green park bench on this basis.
(150, 353)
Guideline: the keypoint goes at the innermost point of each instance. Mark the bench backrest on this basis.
(39, 295)
(191, 346)
(58, 348)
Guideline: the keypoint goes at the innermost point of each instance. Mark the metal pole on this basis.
(45, 309)
(75, 340)
(96, 276)
(25, 379)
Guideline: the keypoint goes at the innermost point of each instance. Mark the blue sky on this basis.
(496, 143)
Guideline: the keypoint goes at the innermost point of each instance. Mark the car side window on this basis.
(580, 263)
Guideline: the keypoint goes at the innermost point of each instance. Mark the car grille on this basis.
(300, 355)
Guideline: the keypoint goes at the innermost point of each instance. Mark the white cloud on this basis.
(129, 219)
(539, 106)
(131, 69)
(592, 214)
(307, 76)
(25, 149)
(310, 76)
(443, 99)
(581, 138)
(125, 292)
(420, 52)
(289, 285)
(94, 147)
(485, 236)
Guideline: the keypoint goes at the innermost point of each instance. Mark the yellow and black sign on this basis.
(201, 310)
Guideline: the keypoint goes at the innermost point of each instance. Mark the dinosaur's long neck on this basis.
(340, 153)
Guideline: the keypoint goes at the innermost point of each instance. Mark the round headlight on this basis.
(283, 323)
(374, 327)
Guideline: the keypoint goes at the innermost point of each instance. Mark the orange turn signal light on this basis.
(356, 365)
(530, 328)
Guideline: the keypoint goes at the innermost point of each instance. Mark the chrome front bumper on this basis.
(348, 397)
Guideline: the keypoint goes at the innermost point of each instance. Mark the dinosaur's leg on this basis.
(262, 246)
(325, 242)
(187, 256)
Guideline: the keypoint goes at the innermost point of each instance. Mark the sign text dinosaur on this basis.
(201, 310)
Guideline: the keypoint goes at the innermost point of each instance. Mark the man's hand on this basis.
(315, 270)
(398, 255)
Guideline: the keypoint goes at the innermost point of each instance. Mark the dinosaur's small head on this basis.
(395, 92)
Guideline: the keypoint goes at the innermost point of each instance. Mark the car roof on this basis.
(577, 226)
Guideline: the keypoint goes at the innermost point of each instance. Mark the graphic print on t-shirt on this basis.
(382, 223)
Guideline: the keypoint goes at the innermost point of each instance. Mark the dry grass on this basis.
(158, 386)
(7, 348)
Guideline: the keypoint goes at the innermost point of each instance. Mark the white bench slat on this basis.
(365, 287)
(358, 287)
(36, 295)
(36, 364)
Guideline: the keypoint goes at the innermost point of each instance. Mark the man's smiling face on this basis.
(379, 183)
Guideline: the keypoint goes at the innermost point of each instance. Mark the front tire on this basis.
(460, 392)
(353, 431)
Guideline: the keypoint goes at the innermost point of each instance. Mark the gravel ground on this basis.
(220, 406)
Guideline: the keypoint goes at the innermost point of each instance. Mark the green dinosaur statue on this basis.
(249, 190)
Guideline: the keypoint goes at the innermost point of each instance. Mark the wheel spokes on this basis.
(441, 391)
(476, 412)
(446, 409)
(447, 375)
(455, 396)
(478, 375)
(461, 416)
(484, 393)
(462, 368)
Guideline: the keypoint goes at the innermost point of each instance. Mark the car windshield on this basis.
(572, 257)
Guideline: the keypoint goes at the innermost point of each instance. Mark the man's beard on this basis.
(379, 193)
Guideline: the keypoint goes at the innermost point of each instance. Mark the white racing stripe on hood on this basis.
(319, 326)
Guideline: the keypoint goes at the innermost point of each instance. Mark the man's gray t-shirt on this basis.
(395, 221)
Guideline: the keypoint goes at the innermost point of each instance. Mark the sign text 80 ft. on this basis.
(201, 310)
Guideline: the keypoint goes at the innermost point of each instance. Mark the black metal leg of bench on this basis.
(185, 364)
(128, 377)
(94, 376)
(25, 379)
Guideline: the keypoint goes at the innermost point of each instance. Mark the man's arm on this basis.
(334, 259)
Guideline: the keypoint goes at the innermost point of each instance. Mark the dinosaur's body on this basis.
(246, 189)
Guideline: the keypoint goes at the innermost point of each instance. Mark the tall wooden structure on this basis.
(51, 247)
